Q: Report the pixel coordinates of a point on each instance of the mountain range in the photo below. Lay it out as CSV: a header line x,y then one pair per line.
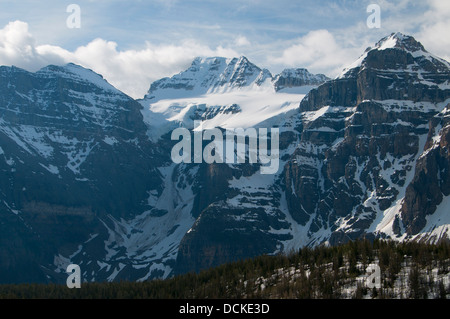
x,y
86,175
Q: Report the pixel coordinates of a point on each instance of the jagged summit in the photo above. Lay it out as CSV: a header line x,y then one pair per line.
x,y
394,52
208,75
298,77
400,41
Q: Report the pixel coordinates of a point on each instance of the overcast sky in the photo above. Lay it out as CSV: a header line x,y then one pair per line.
x,y
134,42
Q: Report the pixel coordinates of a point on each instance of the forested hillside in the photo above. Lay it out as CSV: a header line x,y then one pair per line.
x,y
408,270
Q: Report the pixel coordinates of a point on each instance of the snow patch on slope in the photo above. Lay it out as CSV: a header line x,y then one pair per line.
x,y
151,239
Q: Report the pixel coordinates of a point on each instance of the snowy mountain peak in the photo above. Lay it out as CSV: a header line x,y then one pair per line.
x,y
400,41
241,72
78,73
221,75
223,93
396,52
294,78
209,75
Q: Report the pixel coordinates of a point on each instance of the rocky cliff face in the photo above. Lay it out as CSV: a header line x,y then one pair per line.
x,y
74,150
370,169
431,182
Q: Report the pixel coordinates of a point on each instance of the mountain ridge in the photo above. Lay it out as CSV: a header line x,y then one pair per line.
x,y
220,74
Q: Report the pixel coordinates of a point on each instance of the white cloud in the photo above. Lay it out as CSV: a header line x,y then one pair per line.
x,y
435,28
319,52
242,41
396,6
17,46
131,71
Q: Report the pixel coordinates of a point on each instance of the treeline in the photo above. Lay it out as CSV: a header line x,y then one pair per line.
x,y
408,270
